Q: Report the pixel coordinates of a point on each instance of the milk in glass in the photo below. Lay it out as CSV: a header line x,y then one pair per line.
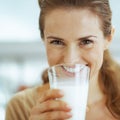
x,y
74,82
76,97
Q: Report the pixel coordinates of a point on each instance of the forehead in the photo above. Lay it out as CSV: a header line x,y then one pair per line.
x,y
72,19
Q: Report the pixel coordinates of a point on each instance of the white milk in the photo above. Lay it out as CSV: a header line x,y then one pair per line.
x,y
75,89
76,97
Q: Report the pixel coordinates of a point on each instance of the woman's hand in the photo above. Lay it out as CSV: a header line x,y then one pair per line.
x,y
47,108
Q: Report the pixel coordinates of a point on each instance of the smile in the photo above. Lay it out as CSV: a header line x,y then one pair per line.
x,y
68,69
72,69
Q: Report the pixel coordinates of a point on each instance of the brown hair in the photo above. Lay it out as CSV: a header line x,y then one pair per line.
x,y
109,72
45,76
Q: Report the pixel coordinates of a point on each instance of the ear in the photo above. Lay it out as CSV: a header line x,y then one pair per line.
x,y
109,38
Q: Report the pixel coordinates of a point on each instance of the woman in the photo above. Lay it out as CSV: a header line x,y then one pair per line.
x,y
74,31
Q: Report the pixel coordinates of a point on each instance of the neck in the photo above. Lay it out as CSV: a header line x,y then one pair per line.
x,y
95,94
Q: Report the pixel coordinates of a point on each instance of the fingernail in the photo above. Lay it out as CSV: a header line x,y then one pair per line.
x,y
69,107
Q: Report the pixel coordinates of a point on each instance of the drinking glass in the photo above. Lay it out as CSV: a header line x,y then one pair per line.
x,y
73,80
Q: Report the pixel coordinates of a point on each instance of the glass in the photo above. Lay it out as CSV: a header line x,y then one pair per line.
x,y
73,80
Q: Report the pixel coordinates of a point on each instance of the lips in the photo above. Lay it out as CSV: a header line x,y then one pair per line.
x,y
68,69
73,69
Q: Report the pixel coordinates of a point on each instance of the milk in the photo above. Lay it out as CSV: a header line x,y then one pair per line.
x,y
74,82
76,97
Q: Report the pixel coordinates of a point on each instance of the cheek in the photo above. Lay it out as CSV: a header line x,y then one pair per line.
x,y
96,60
53,57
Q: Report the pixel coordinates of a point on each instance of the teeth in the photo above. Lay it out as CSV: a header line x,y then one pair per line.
x,y
72,70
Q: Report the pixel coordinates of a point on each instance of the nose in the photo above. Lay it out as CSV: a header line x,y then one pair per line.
x,y
73,55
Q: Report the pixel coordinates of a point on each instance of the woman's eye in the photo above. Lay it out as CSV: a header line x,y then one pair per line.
x,y
87,43
56,42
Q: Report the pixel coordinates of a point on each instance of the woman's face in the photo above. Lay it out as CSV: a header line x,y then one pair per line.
x,y
74,36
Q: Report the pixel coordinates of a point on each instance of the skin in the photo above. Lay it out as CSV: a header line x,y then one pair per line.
x,y
73,36
85,44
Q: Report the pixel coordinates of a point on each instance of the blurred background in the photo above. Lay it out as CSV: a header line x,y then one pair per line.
x,y
22,53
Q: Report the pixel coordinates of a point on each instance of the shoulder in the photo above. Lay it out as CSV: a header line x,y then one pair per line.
x,y
21,103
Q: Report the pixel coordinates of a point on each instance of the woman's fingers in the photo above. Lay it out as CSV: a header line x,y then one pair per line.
x,y
48,108
51,105
50,94
53,115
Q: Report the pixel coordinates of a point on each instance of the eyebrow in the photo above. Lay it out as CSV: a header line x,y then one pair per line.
x,y
53,37
85,37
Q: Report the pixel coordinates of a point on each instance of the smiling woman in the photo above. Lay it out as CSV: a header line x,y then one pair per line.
x,y
74,31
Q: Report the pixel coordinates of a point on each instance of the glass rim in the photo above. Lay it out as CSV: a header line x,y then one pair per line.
x,y
68,64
